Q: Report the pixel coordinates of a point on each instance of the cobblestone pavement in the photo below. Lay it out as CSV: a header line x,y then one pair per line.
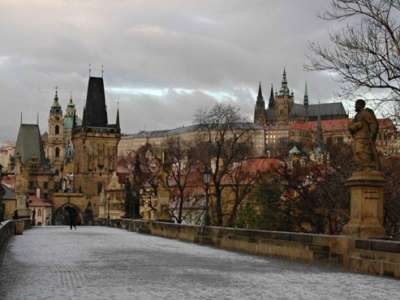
x,y
107,263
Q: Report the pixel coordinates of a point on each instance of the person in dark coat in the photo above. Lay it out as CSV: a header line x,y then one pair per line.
x,y
72,215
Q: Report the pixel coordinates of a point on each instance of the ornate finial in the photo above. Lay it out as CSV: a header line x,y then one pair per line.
x,y
102,71
56,94
90,69
21,118
37,119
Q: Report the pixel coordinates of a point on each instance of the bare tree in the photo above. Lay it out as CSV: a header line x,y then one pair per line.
x,y
223,140
145,177
365,54
242,179
179,166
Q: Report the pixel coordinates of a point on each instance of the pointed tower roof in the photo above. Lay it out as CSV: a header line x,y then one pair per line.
x,y
259,110
95,113
284,87
29,144
260,95
271,102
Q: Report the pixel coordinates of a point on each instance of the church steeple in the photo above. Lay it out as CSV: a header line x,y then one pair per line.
x,y
259,111
271,102
284,87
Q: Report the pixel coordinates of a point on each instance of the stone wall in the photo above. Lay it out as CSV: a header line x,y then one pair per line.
x,y
378,257
8,229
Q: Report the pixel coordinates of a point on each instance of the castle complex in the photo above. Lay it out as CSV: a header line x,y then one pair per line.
x,y
286,122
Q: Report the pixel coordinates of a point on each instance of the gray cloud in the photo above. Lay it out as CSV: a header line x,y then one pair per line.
x,y
212,48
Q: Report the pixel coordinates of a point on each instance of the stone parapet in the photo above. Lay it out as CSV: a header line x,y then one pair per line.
x,y
378,257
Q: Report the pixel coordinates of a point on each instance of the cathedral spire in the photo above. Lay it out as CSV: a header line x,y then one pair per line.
x,y
284,87
259,111
271,102
260,95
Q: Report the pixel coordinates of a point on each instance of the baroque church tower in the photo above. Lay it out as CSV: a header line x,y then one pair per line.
x,y
95,144
55,146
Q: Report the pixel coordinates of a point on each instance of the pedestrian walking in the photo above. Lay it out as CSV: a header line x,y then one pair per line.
x,y
72,215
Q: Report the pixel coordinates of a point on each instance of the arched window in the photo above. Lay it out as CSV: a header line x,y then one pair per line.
x,y
57,152
57,130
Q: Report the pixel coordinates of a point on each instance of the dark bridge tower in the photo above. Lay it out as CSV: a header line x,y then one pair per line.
x,y
95,145
259,111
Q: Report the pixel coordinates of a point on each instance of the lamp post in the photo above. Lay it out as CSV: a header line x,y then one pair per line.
x,y
206,181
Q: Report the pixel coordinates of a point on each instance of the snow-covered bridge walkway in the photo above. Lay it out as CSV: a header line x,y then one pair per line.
x,y
107,263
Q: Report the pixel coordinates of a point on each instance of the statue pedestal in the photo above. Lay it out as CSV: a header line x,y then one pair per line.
x,y
366,216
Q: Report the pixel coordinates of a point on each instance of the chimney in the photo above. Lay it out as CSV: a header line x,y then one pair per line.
x,y
38,193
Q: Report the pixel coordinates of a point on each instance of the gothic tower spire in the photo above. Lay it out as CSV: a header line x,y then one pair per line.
x,y
271,102
259,111
284,87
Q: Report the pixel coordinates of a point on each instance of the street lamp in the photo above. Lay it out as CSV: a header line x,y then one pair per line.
x,y
206,181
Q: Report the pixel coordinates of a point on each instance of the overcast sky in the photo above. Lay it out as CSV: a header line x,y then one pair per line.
x,y
162,59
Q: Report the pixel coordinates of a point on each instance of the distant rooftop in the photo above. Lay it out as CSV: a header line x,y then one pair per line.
x,y
184,129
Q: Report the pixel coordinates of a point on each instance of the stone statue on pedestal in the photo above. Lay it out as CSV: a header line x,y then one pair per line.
x,y
364,130
367,182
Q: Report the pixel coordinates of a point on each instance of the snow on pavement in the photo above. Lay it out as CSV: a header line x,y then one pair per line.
x,y
108,263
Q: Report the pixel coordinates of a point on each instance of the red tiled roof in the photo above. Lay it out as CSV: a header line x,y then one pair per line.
x,y
38,202
333,125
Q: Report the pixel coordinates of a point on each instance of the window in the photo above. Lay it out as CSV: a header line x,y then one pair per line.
x,y
57,130
45,185
57,152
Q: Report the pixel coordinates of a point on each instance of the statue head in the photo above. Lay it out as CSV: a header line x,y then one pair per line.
x,y
360,104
